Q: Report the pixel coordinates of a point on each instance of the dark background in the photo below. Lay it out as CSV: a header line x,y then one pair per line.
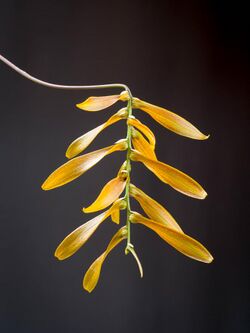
x,y
189,56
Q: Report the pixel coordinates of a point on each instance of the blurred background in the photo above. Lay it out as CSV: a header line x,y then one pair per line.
x,y
191,57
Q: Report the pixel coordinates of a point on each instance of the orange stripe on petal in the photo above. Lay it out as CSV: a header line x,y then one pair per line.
x,y
78,165
92,275
153,209
171,176
81,143
170,120
181,242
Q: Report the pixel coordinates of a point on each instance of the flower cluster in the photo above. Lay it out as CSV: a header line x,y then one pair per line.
x,y
140,146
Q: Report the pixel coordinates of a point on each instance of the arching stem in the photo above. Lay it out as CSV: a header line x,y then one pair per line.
x,y
88,87
60,86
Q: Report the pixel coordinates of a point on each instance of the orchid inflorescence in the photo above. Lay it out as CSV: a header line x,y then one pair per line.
x,y
140,146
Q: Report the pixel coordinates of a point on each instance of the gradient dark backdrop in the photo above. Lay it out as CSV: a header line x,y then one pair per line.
x,y
189,56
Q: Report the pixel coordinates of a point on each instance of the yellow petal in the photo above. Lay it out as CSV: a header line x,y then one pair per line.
x,y
143,128
170,120
142,144
79,236
81,143
119,204
153,209
78,165
171,176
92,275
101,102
110,192
181,242
115,216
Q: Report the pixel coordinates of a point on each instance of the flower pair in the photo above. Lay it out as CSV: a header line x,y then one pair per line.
x,y
140,145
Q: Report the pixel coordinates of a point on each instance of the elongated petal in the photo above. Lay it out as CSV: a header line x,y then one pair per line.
x,y
171,176
101,102
110,192
78,165
153,209
142,145
93,273
170,120
181,242
81,143
144,129
79,236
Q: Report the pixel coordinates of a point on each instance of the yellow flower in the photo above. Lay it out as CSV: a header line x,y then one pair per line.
x,y
170,120
101,102
93,273
81,143
78,165
79,236
181,242
171,176
110,192
142,145
144,129
153,209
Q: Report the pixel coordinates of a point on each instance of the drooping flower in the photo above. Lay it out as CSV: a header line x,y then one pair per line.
x,y
181,242
78,165
171,176
142,145
144,129
101,102
81,143
153,209
110,192
77,238
93,273
170,120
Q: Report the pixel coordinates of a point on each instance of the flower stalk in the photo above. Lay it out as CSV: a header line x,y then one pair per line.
x,y
128,168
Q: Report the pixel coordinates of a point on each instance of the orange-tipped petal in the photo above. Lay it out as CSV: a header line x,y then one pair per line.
x,y
142,145
93,273
79,236
97,103
110,192
143,128
170,120
171,176
153,209
181,242
81,143
78,165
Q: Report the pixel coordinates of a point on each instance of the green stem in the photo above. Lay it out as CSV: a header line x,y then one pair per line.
x,y
128,168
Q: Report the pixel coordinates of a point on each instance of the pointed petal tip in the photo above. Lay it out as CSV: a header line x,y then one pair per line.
x,y
44,187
